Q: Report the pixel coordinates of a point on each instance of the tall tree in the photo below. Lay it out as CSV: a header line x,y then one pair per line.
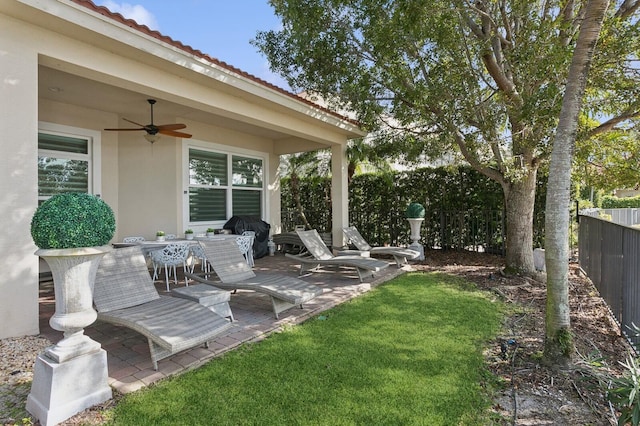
x,y
558,347
483,78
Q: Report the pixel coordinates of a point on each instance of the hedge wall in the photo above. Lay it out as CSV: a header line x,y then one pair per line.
x,y
464,208
611,202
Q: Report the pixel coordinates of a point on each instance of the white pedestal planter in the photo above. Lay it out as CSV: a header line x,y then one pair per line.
x,y
415,225
71,375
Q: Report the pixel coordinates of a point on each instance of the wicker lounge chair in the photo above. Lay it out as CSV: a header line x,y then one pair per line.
x,y
318,254
125,295
400,254
233,272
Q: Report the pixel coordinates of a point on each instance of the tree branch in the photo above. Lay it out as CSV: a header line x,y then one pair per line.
x,y
612,122
474,162
627,8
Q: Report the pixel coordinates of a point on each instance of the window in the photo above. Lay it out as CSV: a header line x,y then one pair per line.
x,y
223,185
64,160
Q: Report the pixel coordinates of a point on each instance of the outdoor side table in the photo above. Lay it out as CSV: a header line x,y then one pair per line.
x,y
212,297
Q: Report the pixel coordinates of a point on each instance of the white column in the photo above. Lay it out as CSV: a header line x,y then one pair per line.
x,y
339,193
274,204
18,184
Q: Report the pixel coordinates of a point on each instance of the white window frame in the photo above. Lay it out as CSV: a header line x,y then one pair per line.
x,y
93,156
229,152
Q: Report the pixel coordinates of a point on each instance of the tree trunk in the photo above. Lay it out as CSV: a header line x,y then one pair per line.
x,y
519,203
295,192
558,344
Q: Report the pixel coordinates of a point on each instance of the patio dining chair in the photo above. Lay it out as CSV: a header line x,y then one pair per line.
x,y
132,239
198,254
170,256
246,246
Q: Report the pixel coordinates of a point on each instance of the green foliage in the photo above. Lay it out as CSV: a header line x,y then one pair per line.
x,y
160,234
415,211
188,231
409,352
462,207
72,220
609,161
624,393
483,80
611,202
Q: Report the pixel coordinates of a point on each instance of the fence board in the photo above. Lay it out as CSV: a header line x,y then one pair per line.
x,y
609,254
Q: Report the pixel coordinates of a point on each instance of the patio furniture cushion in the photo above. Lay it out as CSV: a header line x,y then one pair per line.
x,y
233,272
319,255
400,254
124,295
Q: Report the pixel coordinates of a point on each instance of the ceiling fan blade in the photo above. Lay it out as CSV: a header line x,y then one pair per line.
x,y
176,126
174,133
133,122
126,130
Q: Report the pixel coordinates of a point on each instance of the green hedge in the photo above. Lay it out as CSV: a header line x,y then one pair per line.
x,y
611,202
463,207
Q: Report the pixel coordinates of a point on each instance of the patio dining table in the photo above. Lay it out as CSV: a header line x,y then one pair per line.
x,y
151,245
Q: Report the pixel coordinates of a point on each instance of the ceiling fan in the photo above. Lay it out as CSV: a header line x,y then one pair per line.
x,y
154,129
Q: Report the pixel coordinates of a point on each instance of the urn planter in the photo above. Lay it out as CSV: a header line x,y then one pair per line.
x,y
72,230
415,225
71,375
74,273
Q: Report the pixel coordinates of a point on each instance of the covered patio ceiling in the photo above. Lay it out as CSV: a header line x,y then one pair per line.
x,y
60,86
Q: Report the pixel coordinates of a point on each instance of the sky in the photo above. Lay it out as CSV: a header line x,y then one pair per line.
x,y
222,29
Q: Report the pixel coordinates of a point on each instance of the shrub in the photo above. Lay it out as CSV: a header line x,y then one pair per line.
x,y
610,202
415,211
72,220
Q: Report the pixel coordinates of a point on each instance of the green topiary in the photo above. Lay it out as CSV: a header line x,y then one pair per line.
x,y
72,220
415,211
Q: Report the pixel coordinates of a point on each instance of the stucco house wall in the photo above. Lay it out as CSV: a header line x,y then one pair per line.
x,y
70,66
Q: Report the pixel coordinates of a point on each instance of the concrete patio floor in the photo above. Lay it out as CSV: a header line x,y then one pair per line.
x,y
128,358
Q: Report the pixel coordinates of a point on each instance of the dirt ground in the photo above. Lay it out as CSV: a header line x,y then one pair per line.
x,y
534,394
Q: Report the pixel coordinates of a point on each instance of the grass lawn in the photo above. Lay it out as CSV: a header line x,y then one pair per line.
x,y
408,352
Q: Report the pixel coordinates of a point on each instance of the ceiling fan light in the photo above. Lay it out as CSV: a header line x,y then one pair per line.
x,y
151,138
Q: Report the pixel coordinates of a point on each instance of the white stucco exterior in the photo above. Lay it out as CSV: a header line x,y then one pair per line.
x,y
69,66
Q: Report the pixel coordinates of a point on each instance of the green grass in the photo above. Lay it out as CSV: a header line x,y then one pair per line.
x,y
408,352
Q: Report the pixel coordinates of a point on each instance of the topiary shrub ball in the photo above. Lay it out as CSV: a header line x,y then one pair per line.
x,y
415,211
72,220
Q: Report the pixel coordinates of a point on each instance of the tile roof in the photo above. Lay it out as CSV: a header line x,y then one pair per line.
x,y
104,11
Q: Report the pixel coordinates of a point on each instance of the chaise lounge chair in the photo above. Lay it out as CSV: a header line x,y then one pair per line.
x,y
124,294
318,254
231,268
400,254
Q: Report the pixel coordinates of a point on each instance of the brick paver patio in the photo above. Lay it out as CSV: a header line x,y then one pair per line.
x,y
128,358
